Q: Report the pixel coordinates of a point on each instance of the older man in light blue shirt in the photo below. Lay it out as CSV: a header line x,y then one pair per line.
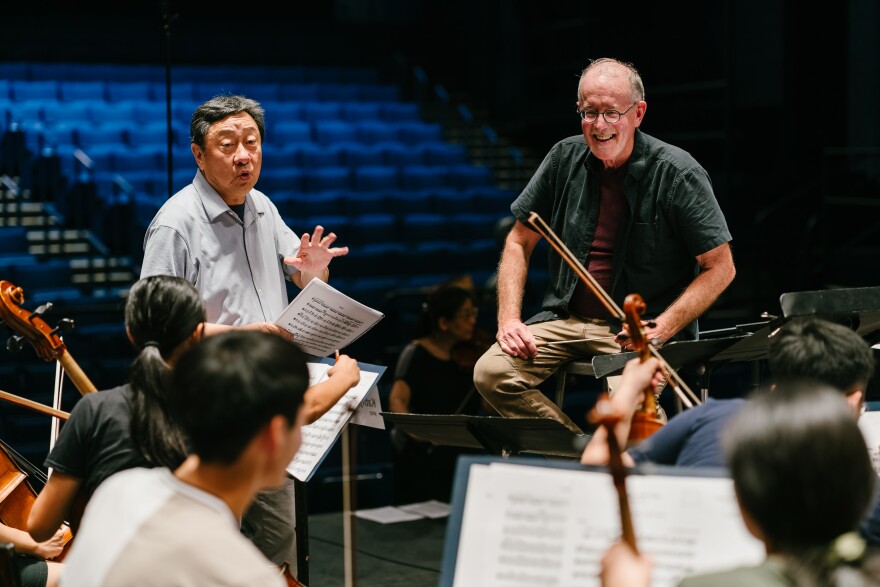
x,y
228,240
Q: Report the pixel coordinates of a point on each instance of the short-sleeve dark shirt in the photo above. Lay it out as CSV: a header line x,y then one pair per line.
x,y
671,216
436,386
95,442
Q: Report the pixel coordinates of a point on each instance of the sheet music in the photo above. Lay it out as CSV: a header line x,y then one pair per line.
x,y
319,436
525,525
323,319
869,423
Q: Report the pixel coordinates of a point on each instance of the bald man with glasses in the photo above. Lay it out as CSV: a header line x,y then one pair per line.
x,y
641,216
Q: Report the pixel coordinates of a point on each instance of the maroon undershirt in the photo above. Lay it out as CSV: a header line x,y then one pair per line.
x,y
598,263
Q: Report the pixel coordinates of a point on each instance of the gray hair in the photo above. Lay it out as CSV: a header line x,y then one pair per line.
x,y
218,108
637,88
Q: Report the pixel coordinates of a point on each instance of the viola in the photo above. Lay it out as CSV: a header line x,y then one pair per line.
x,y
604,415
289,578
644,422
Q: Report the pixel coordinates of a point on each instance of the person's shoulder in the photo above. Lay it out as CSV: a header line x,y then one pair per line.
x,y
654,148
93,400
178,206
111,396
766,574
133,477
573,145
726,405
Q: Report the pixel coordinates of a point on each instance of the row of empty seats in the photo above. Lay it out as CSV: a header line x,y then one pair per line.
x,y
120,92
79,72
98,111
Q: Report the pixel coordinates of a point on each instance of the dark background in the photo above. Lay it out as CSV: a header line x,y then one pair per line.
x,y
778,102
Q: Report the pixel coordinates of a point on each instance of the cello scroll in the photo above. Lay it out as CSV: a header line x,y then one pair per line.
x,y
45,340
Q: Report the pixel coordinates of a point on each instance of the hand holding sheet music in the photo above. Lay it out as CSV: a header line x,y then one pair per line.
x,y
323,319
319,436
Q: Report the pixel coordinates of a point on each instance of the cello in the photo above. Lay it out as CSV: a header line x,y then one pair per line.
x,y
645,421
17,492
46,340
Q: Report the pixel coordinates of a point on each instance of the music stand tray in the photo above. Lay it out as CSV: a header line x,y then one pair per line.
x,y
860,306
497,435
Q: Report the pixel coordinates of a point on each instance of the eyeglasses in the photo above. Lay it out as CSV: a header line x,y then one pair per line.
x,y
610,116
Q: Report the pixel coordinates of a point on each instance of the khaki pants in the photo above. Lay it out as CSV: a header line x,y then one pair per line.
x,y
510,384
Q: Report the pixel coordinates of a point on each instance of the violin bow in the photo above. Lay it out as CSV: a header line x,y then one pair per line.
x,y
677,383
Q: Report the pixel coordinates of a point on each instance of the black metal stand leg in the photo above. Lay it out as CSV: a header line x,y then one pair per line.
x,y
302,531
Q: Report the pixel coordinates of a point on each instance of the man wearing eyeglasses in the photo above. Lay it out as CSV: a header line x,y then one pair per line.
x,y
641,216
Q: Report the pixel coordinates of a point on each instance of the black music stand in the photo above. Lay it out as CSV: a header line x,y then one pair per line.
x,y
749,343
497,435
859,307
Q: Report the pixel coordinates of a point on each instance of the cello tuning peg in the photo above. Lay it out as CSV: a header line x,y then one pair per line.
x,y
13,343
43,309
768,316
64,325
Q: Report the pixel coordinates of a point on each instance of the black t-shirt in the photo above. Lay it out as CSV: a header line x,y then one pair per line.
x,y
436,386
96,442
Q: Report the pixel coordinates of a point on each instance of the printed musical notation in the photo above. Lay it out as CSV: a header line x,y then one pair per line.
x,y
353,407
322,319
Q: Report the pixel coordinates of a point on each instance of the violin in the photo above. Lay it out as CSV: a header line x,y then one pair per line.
x,y
466,353
644,422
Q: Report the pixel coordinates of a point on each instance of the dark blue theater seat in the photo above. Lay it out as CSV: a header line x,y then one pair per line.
x,y
298,204
372,132
33,90
326,178
411,202
373,228
299,92
329,132
355,203
359,155
320,111
290,132
118,91
423,177
416,228
396,111
82,90
78,112
354,111
370,178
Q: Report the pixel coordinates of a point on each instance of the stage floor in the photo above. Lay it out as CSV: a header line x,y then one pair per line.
x,y
404,554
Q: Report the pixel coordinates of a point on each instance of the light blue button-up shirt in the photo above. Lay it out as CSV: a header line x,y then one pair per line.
x,y
236,266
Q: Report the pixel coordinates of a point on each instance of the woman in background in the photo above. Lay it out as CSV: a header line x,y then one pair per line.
x,y
435,375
